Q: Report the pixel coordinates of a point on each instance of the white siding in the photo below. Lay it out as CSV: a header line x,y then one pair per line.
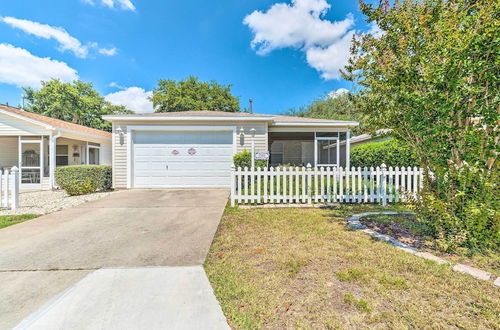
x,y
243,141
8,151
13,126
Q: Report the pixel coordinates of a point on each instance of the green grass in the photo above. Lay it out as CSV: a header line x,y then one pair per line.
x,y
304,268
9,220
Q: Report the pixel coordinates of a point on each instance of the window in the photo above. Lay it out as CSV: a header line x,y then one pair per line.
x,y
327,151
276,153
93,155
61,155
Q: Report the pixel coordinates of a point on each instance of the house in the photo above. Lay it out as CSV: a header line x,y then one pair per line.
x,y
33,143
195,148
380,135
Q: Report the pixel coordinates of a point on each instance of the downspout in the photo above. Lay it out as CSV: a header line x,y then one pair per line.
x,y
52,158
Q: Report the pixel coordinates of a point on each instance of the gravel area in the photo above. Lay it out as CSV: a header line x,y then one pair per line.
x,y
43,202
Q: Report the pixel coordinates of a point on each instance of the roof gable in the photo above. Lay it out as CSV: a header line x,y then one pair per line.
x,y
54,123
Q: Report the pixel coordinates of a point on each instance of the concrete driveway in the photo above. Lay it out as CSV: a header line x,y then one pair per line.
x,y
135,228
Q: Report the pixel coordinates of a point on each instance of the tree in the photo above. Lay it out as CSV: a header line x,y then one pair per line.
x,y
77,102
432,77
193,95
341,107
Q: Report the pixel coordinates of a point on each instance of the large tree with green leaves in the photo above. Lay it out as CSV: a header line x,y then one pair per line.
x,y
341,107
193,95
432,76
77,102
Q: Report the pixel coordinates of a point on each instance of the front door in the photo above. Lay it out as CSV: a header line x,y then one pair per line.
x,y
30,164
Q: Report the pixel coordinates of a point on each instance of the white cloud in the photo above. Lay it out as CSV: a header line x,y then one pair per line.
x,y
329,60
338,92
375,30
107,51
134,98
65,40
21,68
123,4
302,25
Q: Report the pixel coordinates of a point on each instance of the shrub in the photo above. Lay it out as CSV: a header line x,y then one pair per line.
x,y
84,179
390,152
244,159
461,209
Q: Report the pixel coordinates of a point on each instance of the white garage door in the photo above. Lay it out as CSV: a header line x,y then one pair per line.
x,y
182,159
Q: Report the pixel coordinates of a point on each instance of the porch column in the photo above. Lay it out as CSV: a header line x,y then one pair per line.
x,y
87,153
52,160
315,150
348,149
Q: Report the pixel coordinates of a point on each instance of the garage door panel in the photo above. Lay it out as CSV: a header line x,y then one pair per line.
x,y
174,167
184,151
182,138
198,159
209,165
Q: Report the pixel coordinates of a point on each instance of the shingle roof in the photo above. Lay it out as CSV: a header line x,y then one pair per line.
x,y
56,123
206,113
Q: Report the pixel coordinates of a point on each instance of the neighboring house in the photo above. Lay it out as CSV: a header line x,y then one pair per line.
x,y
33,143
380,135
195,148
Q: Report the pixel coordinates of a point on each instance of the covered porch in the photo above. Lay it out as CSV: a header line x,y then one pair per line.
x,y
34,156
318,147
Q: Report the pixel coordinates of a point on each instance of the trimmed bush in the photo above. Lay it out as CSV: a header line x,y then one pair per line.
x,y
390,152
84,179
244,159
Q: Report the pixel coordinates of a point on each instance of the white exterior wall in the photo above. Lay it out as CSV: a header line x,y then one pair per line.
x,y
8,151
243,141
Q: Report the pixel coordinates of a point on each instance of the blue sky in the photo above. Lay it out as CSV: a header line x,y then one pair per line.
x,y
282,54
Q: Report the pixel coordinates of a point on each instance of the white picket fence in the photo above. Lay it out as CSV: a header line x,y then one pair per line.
x,y
9,188
308,185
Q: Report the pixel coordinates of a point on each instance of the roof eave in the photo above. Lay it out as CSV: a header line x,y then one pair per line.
x,y
324,124
184,118
95,136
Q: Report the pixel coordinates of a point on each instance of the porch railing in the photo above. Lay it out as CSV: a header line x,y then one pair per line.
x,y
9,188
307,185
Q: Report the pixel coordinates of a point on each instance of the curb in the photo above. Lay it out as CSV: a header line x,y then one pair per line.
x,y
353,222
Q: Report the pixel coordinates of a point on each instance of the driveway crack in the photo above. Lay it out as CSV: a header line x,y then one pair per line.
x,y
46,270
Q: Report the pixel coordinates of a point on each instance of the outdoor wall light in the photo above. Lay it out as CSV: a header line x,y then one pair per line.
x,y
120,133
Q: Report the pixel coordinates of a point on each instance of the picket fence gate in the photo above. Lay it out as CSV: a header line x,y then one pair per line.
x,y
9,188
307,185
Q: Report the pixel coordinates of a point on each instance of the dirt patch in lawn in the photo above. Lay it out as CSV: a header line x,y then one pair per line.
x,y
304,268
402,227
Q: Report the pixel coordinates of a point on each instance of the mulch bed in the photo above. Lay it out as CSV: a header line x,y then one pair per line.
x,y
396,230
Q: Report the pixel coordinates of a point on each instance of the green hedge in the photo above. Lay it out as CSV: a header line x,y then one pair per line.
x,y
244,159
84,179
390,152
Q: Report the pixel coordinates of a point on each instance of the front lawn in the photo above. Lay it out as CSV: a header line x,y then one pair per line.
x,y
303,268
8,220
